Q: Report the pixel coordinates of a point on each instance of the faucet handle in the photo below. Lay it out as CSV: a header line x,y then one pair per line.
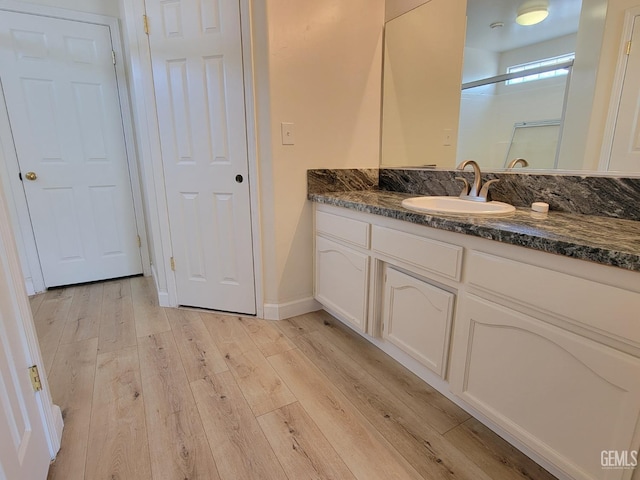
x,y
465,189
485,188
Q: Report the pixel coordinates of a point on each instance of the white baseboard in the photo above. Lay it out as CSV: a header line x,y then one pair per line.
x,y
28,283
163,297
281,311
57,413
54,424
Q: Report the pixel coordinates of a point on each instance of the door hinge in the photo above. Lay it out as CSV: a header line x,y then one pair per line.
x,y
35,378
628,50
113,56
173,264
145,22
139,241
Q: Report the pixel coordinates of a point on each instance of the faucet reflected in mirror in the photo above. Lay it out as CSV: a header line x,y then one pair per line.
x,y
573,124
517,161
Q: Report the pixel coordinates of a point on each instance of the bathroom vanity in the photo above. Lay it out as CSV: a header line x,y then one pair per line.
x,y
528,322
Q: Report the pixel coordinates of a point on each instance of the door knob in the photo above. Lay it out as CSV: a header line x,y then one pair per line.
x,y
30,176
239,178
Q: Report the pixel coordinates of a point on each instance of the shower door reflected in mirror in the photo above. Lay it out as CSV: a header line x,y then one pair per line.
x,y
536,142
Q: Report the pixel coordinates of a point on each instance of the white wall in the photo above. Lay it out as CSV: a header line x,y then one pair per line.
x,y
317,65
479,63
395,8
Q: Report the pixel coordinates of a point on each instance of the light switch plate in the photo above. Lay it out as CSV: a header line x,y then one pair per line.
x,y
447,137
288,133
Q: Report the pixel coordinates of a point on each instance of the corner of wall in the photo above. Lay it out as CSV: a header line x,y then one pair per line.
x,y
262,112
286,310
323,73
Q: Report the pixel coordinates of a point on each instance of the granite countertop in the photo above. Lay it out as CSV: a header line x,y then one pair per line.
x,y
609,241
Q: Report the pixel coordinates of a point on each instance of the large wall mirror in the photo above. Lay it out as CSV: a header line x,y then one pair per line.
x,y
463,80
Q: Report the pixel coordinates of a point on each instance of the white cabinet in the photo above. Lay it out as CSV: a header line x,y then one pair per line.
x,y
417,318
565,396
545,350
342,281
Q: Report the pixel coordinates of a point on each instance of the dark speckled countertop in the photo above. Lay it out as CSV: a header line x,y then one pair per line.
x,y
609,241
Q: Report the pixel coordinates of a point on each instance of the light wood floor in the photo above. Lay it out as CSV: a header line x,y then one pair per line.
x,y
149,392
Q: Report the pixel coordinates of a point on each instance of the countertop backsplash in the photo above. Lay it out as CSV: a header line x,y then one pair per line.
x,y
341,180
616,197
604,196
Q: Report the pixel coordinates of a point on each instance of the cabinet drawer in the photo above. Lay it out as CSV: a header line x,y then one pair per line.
x,y
342,281
608,309
417,318
347,229
431,255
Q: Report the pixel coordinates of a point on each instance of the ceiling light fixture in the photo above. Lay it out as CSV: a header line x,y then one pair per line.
x,y
532,12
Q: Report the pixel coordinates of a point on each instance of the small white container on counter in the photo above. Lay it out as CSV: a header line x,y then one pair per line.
x,y
540,207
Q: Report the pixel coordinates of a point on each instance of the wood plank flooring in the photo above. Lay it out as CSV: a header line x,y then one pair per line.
x,y
154,393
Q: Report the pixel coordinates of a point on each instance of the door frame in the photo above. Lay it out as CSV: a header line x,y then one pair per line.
x,y
9,165
616,89
145,114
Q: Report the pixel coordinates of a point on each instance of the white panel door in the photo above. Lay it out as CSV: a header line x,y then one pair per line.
x,y
196,54
24,453
625,151
59,84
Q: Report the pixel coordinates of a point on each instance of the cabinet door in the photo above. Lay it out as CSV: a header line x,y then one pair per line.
x,y
567,397
342,281
417,318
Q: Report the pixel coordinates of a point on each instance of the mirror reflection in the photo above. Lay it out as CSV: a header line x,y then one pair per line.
x,y
514,82
544,92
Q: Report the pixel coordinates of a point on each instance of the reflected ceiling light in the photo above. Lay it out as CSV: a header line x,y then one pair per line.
x,y
532,12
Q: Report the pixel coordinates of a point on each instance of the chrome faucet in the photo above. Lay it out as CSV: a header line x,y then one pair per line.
x,y
476,192
517,161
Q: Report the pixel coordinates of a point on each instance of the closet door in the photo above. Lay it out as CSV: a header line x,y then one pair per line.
x,y
196,54
61,92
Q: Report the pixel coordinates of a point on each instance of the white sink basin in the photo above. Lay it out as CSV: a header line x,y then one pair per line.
x,y
456,205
